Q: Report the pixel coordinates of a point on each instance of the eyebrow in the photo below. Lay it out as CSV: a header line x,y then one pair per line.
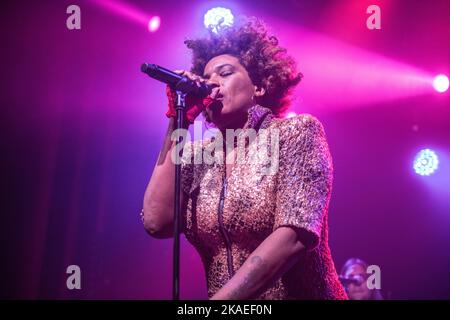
x,y
216,69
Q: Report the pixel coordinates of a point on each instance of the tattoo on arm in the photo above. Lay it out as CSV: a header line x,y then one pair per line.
x,y
258,267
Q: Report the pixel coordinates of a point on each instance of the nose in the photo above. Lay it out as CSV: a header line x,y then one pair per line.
x,y
212,83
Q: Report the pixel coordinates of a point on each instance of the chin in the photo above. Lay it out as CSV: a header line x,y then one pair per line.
x,y
219,113
222,115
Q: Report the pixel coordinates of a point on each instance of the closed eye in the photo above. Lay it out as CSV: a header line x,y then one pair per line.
x,y
226,73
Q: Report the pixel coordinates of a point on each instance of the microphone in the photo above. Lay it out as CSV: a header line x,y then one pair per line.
x,y
181,83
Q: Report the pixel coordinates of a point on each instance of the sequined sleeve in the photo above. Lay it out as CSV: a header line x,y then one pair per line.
x,y
304,178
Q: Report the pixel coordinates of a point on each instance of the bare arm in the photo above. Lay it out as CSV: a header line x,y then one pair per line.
x,y
268,262
159,195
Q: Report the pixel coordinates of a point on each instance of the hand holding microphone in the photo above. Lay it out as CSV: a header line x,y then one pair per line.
x,y
199,94
195,103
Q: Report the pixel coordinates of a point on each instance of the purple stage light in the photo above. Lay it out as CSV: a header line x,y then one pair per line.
x,y
291,114
154,23
426,162
441,83
217,17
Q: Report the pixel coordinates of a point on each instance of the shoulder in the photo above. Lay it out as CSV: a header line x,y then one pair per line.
x,y
302,134
302,125
302,142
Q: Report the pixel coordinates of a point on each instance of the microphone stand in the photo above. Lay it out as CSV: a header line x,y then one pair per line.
x,y
181,112
182,86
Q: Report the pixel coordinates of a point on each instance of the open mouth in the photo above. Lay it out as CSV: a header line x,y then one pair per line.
x,y
217,98
217,103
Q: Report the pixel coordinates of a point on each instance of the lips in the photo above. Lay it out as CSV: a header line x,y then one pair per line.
x,y
216,98
215,94
216,104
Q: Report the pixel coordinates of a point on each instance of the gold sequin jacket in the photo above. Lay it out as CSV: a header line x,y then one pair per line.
x,y
227,218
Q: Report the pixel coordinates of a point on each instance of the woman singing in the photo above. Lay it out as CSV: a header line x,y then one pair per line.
x,y
260,235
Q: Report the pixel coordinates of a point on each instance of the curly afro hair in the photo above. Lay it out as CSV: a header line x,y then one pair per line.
x,y
266,62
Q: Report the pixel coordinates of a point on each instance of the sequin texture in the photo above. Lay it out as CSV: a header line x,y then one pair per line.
x,y
255,204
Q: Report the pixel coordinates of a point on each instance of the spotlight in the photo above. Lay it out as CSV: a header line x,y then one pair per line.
x,y
154,23
440,83
290,114
218,17
426,162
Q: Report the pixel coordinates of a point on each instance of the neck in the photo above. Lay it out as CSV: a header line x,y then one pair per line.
x,y
233,125
238,122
